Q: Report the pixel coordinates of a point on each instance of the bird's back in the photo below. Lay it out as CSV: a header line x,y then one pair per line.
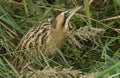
x,y
43,38
36,36
32,42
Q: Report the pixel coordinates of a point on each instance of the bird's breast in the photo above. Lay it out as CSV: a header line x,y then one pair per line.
x,y
56,40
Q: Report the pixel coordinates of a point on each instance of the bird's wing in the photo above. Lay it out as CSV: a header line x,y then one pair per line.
x,y
36,36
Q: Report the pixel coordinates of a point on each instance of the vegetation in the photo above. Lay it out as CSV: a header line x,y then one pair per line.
x,y
100,53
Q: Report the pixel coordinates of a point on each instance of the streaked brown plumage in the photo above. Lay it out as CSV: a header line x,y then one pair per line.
x,y
46,37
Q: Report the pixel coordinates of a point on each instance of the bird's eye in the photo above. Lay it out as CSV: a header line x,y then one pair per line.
x,y
66,15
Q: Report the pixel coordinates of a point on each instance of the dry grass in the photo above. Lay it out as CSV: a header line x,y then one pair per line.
x,y
83,34
58,72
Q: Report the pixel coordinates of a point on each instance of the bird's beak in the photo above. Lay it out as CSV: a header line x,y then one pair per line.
x,y
70,13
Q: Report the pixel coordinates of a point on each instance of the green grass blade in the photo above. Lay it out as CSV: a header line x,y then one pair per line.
x,y
101,74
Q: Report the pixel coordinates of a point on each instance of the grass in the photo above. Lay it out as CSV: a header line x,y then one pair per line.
x,y
99,54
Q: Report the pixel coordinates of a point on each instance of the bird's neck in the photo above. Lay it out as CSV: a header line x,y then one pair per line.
x,y
59,27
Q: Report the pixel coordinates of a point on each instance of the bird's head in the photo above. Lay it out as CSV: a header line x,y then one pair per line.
x,y
62,20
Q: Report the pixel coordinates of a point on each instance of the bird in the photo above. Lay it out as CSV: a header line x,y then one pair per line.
x,y
46,38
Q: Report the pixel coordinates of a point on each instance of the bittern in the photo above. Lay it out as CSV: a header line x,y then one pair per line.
x,y
49,35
